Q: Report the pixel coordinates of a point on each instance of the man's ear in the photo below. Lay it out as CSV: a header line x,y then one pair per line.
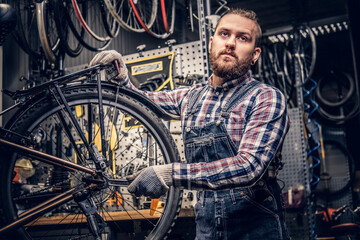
x,y
210,41
256,54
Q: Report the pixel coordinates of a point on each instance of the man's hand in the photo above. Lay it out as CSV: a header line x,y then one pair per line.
x,y
106,57
152,181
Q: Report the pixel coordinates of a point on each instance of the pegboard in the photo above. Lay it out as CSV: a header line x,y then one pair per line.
x,y
296,172
188,58
295,169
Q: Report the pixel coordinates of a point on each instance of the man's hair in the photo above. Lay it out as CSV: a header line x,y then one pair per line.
x,y
247,14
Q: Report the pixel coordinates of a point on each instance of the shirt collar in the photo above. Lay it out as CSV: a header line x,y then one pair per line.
x,y
232,83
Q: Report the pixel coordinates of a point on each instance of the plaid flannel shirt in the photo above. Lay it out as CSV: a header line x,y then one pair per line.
x,y
257,126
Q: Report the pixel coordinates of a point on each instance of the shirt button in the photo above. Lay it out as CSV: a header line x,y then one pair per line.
x,y
217,93
270,198
188,129
208,115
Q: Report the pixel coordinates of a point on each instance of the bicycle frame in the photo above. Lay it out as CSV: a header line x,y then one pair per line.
x,y
98,179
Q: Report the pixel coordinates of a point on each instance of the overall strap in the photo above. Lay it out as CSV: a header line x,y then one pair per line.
x,y
194,98
239,96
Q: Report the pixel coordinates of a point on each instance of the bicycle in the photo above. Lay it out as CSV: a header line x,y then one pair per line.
x,y
65,154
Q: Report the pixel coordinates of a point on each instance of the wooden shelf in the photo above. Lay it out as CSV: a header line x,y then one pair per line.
x,y
107,216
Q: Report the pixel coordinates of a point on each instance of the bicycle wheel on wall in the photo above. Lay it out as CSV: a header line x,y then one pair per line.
x,y
306,53
84,16
68,41
48,35
163,26
26,33
134,138
124,14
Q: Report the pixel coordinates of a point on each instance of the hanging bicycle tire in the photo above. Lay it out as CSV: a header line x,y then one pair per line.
x,y
48,35
92,25
68,41
123,13
25,32
161,28
306,53
335,93
134,138
78,16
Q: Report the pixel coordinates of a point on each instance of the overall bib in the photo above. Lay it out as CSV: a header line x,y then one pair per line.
x,y
254,213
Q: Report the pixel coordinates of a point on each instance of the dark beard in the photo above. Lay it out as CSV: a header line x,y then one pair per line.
x,y
227,71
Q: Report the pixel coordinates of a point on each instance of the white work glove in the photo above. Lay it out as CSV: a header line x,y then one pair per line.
x,y
106,57
152,181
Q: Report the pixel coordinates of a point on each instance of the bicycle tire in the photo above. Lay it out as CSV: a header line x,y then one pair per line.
x,y
69,43
26,28
158,30
89,28
168,14
46,29
41,113
306,53
337,116
123,13
340,86
111,26
79,34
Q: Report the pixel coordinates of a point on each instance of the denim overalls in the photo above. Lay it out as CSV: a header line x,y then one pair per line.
x,y
254,213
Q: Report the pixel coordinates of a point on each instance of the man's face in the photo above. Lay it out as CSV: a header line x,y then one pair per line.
x,y
232,48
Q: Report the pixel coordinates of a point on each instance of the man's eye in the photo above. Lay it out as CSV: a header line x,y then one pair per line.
x,y
223,34
242,38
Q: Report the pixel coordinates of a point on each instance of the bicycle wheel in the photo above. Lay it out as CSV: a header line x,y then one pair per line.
x,y
335,88
67,39
92,23
160,29
77,17
306,53
124,14
48,35
26,27
134,138
111,26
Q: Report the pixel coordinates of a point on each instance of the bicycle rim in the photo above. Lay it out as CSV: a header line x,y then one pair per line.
x,y
93,22
26,28
124,14
67,39
112,28
160,29
135,138
47,31
307,53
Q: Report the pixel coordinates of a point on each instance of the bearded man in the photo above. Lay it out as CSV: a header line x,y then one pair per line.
x,y
233,127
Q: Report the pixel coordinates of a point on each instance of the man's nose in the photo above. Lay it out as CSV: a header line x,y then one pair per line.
x,y
231,43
